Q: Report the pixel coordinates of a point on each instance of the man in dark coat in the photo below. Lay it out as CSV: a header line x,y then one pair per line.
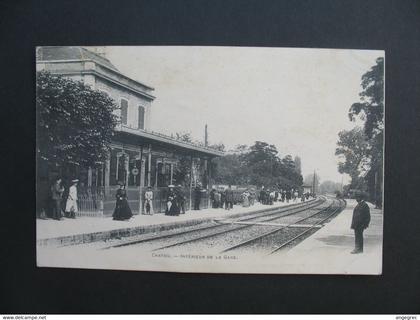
x,y
262,195
229,198
360,221
197,197
56,195
222,198
181,199
288,195
213,198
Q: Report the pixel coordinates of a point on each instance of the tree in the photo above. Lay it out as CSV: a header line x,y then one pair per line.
x,y
330,187
352,151
371,105
218,146
182,170
258,165
309,180
298,164
75,123
183,136
289,163
370,109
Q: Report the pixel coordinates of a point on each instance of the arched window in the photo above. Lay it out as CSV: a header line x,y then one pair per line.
x,y
124,111
141,117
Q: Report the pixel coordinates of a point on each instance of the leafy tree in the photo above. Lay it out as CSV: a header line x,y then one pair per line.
x,y
352,150
261,151
218,146
330,187
298,164
229,169
371,105
182,170
75,123
258,165
370,109
241,148
309,180
184,136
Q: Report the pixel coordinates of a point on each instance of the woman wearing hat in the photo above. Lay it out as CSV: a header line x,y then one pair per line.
x,y
71,204
122,210
172,208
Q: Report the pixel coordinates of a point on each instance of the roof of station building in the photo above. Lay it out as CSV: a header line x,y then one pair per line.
x,y
157,137
65,54
72,53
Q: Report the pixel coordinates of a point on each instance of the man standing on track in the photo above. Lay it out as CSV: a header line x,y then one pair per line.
x,y
360,221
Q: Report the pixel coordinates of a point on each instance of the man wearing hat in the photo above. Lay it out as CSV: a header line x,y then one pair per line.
x,y
71,204
197,197
360,221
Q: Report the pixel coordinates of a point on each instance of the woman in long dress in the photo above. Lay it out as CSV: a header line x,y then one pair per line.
x,y
245,199
172,208
122,209
71,204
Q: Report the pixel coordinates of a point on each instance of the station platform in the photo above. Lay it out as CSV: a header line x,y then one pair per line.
x,y
328,250
89,229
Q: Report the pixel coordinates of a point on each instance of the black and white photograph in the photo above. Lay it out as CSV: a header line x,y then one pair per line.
x,y
210,159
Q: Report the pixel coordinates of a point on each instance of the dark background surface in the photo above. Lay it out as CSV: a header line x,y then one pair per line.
x,y
389,25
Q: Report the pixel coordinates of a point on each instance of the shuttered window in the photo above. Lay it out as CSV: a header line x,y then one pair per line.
x,y
124,111
141,117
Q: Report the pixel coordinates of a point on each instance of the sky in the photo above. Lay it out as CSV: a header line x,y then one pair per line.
x,y
297,99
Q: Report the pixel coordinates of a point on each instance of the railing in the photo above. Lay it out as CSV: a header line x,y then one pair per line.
x,y
100,201
90,201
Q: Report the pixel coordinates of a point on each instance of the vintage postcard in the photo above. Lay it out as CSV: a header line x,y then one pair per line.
x,y
210,159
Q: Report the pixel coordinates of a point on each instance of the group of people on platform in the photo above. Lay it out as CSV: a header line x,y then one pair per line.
x,y
248,198
61,202
175,199
222,198
268,196
175,202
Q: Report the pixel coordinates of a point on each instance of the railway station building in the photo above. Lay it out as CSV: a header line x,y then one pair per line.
x,y
139,156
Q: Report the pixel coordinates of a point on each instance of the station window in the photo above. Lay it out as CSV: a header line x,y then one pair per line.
x,y
124,111
141,117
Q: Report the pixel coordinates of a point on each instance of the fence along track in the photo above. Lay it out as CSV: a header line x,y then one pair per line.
x,y
279,210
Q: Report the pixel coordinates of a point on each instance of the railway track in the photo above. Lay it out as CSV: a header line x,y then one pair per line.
x,y
265,239
222,226
242,225
287,235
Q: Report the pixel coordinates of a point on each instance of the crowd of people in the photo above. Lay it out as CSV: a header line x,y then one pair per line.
x,y
226,198
269,196
64,201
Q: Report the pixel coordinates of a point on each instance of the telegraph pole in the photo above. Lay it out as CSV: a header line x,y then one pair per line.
x,y
313,182
206,137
